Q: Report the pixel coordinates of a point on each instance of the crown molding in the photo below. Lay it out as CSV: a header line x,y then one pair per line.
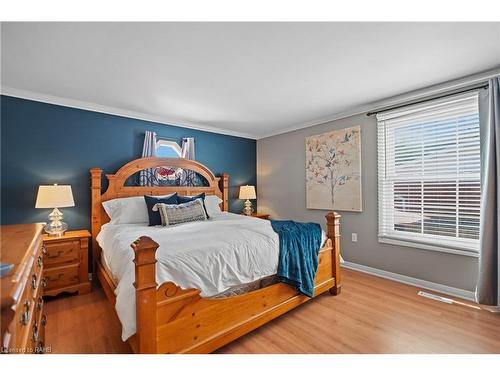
x,y
162,120
357,110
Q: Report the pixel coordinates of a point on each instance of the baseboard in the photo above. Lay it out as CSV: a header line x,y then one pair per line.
x,y
455,292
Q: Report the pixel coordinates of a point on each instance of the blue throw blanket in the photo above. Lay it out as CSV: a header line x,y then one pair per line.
x,y
298,258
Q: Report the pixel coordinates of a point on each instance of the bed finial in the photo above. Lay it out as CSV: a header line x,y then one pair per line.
x,y
333,232
96,174
224,187
145,293
332,225
95,192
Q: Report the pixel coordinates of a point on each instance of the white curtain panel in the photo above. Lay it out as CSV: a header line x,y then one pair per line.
x,y
188,148
188,153
488,284
148,150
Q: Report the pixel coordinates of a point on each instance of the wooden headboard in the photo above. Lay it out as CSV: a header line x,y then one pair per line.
x,y
117,187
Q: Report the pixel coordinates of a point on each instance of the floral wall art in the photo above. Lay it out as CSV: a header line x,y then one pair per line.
x,y
333,170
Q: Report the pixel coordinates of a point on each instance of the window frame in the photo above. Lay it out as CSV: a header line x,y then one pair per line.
x,y
168,143
386,235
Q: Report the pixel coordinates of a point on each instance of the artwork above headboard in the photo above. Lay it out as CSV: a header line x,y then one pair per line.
x,y
121,185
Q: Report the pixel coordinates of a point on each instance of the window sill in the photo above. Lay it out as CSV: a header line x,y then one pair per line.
x,y
406,243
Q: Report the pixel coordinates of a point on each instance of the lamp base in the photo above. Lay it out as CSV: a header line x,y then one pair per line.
x,y
248,210
55,227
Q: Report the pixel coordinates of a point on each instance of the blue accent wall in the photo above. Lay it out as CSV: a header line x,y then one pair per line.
x,y
45,144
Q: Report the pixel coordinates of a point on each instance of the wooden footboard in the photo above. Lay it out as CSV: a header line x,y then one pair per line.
x,y
175,320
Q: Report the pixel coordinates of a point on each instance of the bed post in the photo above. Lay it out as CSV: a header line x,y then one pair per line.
x,y
224,187
333,232
95,190
145,293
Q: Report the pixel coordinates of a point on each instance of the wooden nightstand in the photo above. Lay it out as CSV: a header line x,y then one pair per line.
x,y
66,263
260,215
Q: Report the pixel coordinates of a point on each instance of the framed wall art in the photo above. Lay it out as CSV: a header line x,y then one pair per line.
x,y
333,170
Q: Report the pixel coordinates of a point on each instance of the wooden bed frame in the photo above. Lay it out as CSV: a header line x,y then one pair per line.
x,y
175,320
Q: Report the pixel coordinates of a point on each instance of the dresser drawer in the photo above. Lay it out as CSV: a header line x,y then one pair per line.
x,y
23,319
36,275
36,338
66,263
23,289
26,308
61,253
40,347
61,276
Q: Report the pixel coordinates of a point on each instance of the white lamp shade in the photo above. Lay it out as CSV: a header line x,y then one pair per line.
x,y
247,192
54,196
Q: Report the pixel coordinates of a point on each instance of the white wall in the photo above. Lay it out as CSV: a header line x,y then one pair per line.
x,y
281,192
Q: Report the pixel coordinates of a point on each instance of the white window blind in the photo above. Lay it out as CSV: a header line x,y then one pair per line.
x,y
429,173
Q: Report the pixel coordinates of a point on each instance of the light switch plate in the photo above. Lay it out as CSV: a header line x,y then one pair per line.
x,y
354,237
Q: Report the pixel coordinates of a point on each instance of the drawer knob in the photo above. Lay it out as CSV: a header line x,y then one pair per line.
x,y
44,320
39,303
34,279
35,336
40,261
44,282
25,316
44,250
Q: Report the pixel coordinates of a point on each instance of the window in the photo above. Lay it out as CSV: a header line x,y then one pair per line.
x,y
429,174
168,149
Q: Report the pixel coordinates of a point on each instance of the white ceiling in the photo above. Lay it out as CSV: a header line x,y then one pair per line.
x,y
250,79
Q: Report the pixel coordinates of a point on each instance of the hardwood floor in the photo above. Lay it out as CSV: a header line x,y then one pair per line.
x,y
371,315
83,324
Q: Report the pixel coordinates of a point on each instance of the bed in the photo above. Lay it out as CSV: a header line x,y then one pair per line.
x,y
199,312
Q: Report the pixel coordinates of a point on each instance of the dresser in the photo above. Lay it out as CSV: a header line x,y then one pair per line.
x,y
66,263
22,317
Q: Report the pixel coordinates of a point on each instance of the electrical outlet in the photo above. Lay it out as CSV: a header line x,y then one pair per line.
x,y
354,237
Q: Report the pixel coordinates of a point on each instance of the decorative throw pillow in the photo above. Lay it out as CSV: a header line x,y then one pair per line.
x,y
187,198
154,216
172,214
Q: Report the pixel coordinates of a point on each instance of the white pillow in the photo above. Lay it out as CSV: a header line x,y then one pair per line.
x,y
131,210
212,205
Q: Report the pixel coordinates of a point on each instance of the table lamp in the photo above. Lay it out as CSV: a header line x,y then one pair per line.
x,y
247,192
55,196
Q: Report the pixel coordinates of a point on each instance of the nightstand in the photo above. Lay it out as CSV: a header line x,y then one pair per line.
x,y
65,263
259,215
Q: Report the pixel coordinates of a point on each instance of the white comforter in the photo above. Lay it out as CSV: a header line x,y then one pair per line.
x,y
211,256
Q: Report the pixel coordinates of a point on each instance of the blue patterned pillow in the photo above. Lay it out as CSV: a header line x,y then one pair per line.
x,y
172,214
154,216
186,198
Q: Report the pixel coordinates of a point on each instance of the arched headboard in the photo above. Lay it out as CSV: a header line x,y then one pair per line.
x,y
118,188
